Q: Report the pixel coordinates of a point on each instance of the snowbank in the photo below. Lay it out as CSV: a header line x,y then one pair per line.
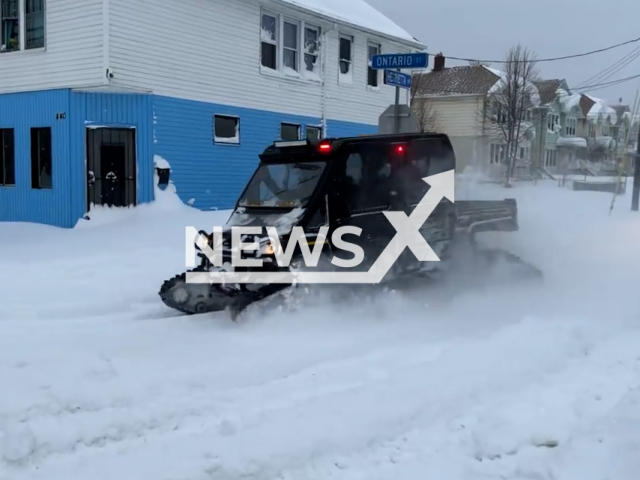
x,y
572,142
165,200
519,382
355,12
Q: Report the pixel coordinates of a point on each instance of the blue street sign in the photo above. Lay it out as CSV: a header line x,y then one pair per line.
x,y
397,79
399,60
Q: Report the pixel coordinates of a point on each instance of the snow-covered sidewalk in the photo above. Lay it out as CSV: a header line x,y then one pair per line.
x,y
99,380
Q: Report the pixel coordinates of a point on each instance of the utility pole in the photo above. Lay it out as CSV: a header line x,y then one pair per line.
x,y
636,177
396,125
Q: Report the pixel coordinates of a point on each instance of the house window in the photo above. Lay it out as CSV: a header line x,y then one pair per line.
x,y
311,39
502,114
314,133
21,19
286,43
289,131
570,129
269,44
373,74
524,153
605,130
226,129
10,11
41,158
550,158
497,153
346,47
34,24
7,158
592,130
290,52
552,121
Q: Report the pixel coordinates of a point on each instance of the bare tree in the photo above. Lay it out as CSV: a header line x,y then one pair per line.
x,y
510,100
422,107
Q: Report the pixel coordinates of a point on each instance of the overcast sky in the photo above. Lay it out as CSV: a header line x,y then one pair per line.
x,y
486,29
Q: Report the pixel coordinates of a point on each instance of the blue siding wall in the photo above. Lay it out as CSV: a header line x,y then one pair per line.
x,y
22,111
206,175
65,202
211,176
111,110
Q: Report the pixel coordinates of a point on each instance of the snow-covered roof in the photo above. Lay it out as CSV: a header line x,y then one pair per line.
x,y
502,79
628,116
600,108
357,13
568,102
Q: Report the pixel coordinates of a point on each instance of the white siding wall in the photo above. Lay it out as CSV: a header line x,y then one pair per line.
x,y
209,50
356,101
459,116
73,56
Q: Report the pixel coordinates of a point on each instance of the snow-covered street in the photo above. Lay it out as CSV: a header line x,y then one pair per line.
x,y
99,380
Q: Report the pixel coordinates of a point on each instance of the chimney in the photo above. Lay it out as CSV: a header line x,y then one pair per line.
x,y
438,62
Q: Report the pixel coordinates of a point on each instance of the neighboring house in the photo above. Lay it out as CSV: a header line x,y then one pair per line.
x,y
596,128
565,118
551,128
92,90
457,98
625,134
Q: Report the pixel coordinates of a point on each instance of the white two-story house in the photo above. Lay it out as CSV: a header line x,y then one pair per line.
x,y
91,91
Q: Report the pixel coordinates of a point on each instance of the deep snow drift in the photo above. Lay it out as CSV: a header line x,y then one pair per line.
x,y
99,380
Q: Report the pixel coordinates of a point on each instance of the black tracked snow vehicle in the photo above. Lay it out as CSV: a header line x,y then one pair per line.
x,y
339,182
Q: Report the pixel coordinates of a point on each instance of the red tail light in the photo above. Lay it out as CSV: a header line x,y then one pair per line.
x,y
325,147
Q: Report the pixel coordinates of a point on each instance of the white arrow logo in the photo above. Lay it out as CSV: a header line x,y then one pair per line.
x,y
407,235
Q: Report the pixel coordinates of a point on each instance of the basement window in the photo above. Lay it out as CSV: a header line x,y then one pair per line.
x,y
41,158
314,133
226,129
289,131
7,158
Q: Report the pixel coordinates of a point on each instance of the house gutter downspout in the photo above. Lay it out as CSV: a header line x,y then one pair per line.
x,y
325,38
106,80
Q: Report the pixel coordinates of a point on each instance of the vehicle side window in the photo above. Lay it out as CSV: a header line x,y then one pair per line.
x,y
409,170
354,169
365,182
443,157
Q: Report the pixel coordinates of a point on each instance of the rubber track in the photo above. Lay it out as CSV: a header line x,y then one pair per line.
x,y
202,298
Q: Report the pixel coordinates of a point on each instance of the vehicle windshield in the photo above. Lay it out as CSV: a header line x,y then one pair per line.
x,y
284,185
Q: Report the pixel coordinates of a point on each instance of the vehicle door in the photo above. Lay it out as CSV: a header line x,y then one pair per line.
x,y
359,195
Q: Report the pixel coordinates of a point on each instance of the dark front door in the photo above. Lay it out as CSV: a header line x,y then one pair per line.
x,y
111,167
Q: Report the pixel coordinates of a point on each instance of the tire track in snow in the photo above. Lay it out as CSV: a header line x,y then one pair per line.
x,y
335,399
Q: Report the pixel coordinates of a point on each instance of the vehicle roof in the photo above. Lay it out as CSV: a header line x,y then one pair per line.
x,y
297,147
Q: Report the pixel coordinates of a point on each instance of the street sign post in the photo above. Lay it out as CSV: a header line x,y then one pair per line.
x,y
399,80
400,60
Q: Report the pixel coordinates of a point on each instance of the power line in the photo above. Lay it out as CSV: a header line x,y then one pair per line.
x,y
553,59
605,84
612,69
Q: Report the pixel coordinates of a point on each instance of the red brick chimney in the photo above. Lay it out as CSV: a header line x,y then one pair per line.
x,y
438,62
